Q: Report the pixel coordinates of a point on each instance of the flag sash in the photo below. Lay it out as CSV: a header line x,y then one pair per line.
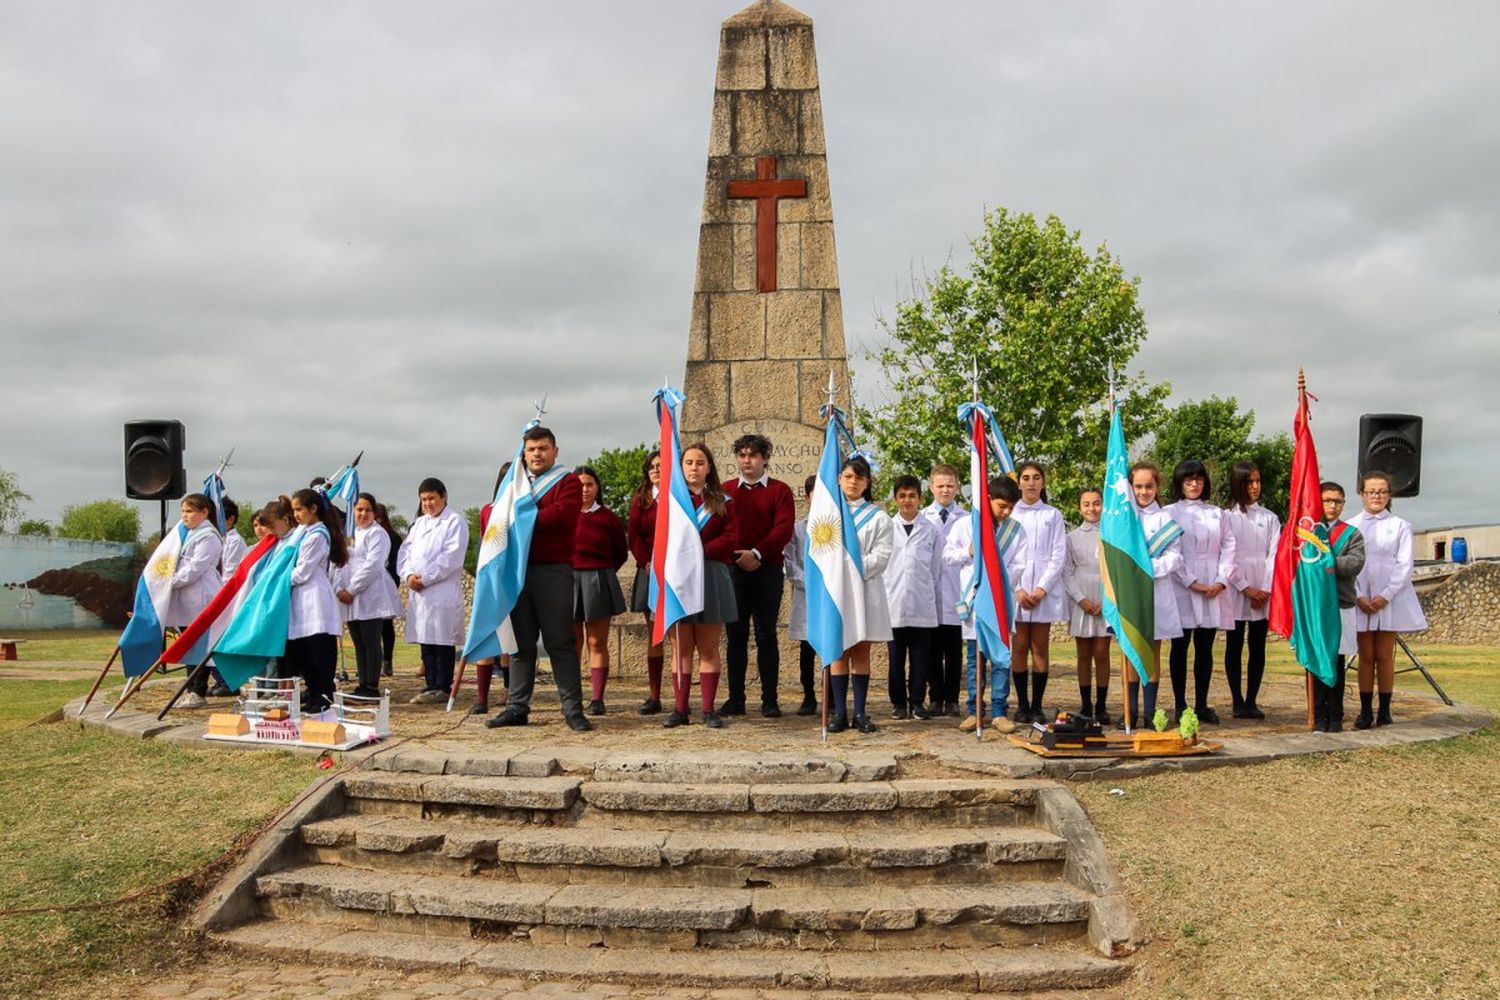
x,y
675,585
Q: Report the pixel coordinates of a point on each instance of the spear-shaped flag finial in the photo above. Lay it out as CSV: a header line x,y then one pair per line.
x,y
541,406
974,379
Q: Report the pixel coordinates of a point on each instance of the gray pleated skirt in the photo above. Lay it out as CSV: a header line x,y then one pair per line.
x,y
719,605
640,591
596,595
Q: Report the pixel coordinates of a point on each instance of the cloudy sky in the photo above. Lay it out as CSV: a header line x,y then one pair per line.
x,y
310,229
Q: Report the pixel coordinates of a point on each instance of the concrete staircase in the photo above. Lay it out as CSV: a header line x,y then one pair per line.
x,y
790,871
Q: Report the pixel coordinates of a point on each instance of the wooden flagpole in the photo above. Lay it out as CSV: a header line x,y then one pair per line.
x,y
1125,688
99,680
458,678
192,676
131,688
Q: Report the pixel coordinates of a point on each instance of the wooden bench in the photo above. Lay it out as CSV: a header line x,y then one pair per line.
x,y
8,648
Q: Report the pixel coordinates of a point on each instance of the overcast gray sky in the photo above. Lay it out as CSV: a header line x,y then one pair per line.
x,y
310,229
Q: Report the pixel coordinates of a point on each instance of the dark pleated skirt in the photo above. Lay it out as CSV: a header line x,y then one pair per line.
x,y
719,605
596,595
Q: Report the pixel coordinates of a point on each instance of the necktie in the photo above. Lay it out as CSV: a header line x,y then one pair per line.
x,y
907,527
943,514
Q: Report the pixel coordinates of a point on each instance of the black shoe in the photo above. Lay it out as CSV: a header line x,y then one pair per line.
x,y
649,707
901,712
712,720
837,724
1336,725
508,717
675,719
578,723
1383,717
732,708
1208,715
952,711
1364,720
480,708
1241,712
809,706
1022,717
366,693
918,712
863,724
596,707
386,671
1254,712
1101,716
770,711
220,691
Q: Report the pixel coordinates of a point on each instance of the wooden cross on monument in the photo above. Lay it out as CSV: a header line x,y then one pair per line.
x,y
766,189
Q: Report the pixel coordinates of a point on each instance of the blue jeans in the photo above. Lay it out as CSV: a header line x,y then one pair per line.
x,y
999,681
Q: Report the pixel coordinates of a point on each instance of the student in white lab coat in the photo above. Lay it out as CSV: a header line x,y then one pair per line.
x,y
234,546
195,577
911,589
1038,590
958,552
313,627
875,540
1164,542
431,565
1385,602
950,652
1083,583
1244,603
1207,562
368,594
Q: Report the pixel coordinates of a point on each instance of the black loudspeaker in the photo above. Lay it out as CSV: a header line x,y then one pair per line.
x,y
153,460
1392,443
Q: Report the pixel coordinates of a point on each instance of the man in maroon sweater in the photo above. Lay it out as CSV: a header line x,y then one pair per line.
x,y
764,512
545,605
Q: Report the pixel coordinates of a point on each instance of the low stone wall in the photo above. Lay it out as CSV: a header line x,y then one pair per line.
x,y
1465,611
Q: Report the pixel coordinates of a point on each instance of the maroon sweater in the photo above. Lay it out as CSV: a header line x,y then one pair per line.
x,y
642,530
720,535
765,516
552,540
600,540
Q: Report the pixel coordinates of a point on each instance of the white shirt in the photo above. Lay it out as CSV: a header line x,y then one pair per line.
x,y
1387,573
958,555
1256,532
364,576
911,577
434,550
315,611
948,583
234,552
1047,551
1207,558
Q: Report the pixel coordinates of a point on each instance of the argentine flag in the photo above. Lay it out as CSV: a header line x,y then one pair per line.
x,y
503,551
213,488
344,491
832,568
991,606
144,636
676,584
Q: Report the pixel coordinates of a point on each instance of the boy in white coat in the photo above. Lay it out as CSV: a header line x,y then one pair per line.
x,y
911,589
431,565
946,667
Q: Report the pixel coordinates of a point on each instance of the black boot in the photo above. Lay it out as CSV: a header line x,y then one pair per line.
x,y
1320,707
1038,688
1366,717
1336,700
1383,715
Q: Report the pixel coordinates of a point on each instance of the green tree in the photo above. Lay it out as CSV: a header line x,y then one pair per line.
x,y
1215,432
619,474
1043,319
11,498
35,528
108,520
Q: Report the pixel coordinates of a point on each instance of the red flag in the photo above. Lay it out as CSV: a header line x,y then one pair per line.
x,y
190,635
1303,514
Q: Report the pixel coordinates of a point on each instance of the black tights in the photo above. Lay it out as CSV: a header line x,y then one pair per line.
x,y
1202,640
1234,644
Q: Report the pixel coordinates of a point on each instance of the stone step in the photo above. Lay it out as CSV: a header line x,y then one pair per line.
x,y
565,800
664,857
903,971
679,766
334,894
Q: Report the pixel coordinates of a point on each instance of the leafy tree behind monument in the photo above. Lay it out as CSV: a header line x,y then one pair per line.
x,y
1043,318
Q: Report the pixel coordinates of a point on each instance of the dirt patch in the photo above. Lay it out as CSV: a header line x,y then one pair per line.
x,y
108,598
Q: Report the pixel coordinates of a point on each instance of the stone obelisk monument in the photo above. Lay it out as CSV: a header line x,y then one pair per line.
x,y
767,321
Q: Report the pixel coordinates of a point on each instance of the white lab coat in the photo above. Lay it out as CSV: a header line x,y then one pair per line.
x,y
234,552
1164,569
364,576
1082,580
1047,550
796,620
958,554
434,550
1387,573
315,611
911,579
1207,557
195,578
875,546
1256,532
948,583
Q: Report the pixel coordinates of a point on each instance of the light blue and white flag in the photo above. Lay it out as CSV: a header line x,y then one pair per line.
x,y
343,491
257,632
832,567
676,582
144,637
503,551
213,488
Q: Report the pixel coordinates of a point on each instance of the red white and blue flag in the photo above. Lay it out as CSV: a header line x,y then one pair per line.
x,y
990,603
676,583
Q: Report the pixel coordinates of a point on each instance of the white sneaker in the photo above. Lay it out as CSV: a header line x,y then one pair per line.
x,y
192,700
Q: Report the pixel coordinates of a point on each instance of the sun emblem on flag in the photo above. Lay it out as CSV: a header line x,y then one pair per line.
x,y
494,533
163,567
825,533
